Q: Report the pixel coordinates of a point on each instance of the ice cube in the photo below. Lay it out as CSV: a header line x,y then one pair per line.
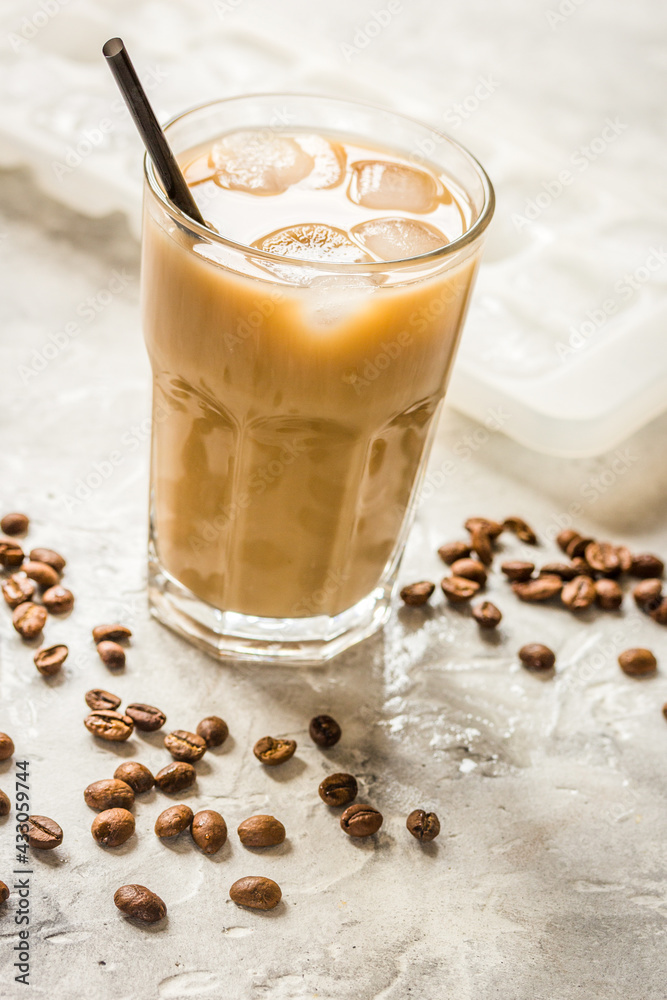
x,y
329,158
397,239
383,184
259,162
313,241
199,170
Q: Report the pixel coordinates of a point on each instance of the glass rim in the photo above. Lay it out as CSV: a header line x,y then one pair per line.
x,y
441,253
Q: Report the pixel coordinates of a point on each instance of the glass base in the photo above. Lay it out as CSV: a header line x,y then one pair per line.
x,y
227,634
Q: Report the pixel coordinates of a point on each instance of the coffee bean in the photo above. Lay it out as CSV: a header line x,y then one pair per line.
x,y
517,571
271,751
5,804
209,831
136,775
457,589
648,594
11,553
659,613
111,633
579,593
664,710
422,825
451,551
17,589
4,892
113,827
29,619
58,600
416,594
256,892
183,745
360,820
324,731
49,557
638,662
338,789
146,717
50,659
109,725
578,546
139,902
109,793
480,543
15,524
603,558
44,575
173,821
647,566
111,654
213,730
261,831
581,568
625,558
43,833
541,589
535,656
100,700
470,569
492,528
608,594
566,571
6,746
487,615
522,530
175,777
565,537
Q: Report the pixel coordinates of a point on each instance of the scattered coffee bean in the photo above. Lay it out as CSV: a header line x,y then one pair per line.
x,y
324,731
416,594
109,725
111,654
5,804
487,615
183,745
492,528
565,537
608,594
480,543
625,558
11,553
338,789
648,594
15,524
175,777
111,633
581,568
50,659
271,751
146,717
173,821
6,746
113,827
49,557
638,662
43,833
541,589
139,902
579,593
29,619
136,775
566,571
58,600
458,590
209,831
535,656
18,589
4,892
517,571
261,831
577,547
44,575
256,892
98,700
659,613
603,558
647,566
360,820
470,569
213,730
522,530
422,825
451,551
109,793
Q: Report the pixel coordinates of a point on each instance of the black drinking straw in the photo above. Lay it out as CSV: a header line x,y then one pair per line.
x,y
155,141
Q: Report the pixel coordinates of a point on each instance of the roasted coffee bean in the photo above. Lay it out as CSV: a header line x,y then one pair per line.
x,y
29,619
49,660
44,575
136,775
492,528
625,558
213,730
49,557
422,825
139,902
18,589
487,615
146,717
522,530
5,804
113,827
608,594
458,590
109,725
43,833
648,594
360,820
11,553
175,777
271,751
15,524
659,613
100,700
566,571
647,566
638,662
578,546
261,831
664,710
257,892
58,600
535,656
416,594
579,593
6,746
581,568
111,654
541,589
209,831
324,731
481,544
451,551
517,571
112,633
338,789
603,558
470,569
109,793
183,745
173,821
565,537
4,892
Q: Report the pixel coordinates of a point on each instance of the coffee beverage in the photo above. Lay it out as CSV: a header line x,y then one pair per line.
x,y
256,892
139,902
261,831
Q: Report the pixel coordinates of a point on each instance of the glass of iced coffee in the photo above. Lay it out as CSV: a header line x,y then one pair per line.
x,y
300,344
